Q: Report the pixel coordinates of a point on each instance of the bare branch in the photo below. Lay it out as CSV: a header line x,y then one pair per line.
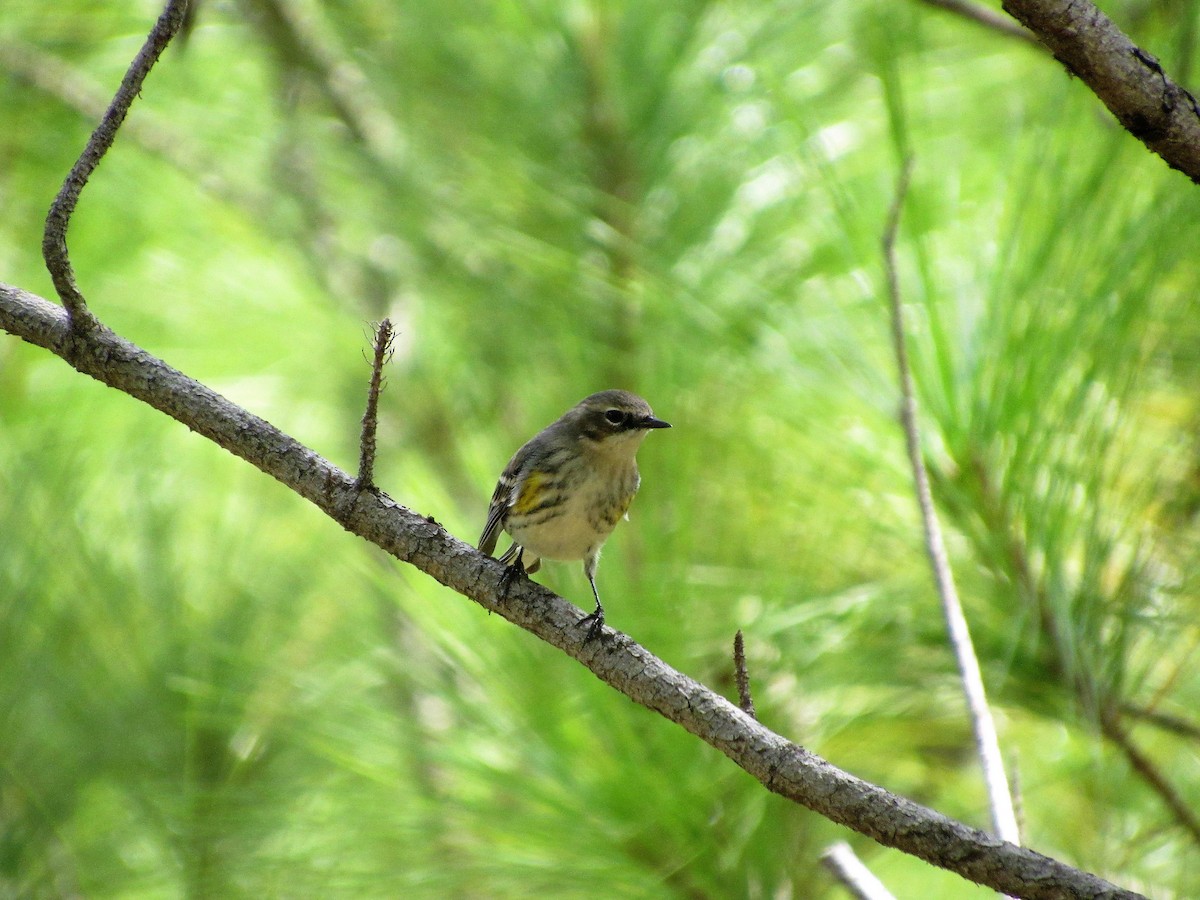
x,y
988,18
149,131
745,701
370,421
1018,797
339,269
54,239
987,744
1130,81
1114,730
852,873
1080,679
1167,722
347,89
780,765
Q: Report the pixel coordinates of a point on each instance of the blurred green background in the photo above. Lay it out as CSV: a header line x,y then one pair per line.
x,y
207,689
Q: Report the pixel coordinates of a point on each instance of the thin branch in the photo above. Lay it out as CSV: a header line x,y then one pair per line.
x,y
1131,83
340,270
1018,797
778,764
1167,722
987,744
54,239
346,87
1080,679
745,701
55,78
370,420
1114,730
852,873
988,18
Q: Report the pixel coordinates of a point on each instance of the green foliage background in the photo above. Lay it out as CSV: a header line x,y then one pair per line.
x,y
209,690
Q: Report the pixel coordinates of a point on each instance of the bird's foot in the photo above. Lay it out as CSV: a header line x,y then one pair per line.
x,y
595,624
511,573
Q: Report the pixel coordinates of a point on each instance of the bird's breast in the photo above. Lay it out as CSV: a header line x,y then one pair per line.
x,y
581,522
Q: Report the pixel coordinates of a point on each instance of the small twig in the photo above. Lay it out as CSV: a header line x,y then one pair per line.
x,y
54,239
370,420
853,874
331,263
1004,819
745,701
148,131
346,87
1115,731
998,519
988,18
1167,722
1018,798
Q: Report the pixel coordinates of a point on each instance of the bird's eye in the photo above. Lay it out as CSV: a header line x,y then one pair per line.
x,y
615,416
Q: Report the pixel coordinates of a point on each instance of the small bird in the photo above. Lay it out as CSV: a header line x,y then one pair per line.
x,y
561,494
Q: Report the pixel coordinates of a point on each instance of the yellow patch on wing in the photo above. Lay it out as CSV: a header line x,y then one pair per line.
x,y
530,494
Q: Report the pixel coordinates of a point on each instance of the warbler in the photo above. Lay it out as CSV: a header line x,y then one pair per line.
x,y
561,494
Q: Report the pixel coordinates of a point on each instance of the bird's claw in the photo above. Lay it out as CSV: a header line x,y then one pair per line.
x,y
506,580
595,624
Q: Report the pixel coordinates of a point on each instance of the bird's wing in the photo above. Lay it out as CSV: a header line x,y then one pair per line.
x,y
508,489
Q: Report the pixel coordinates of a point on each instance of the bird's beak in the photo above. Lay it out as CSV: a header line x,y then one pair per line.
x,y
651,422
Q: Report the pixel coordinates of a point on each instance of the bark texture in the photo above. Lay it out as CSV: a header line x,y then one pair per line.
x,y
1131,83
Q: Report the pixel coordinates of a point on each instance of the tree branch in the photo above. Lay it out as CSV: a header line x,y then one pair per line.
x,y
745,699
988,18
1130,81
987,744
780,765
54,239
843,863
1115,731
341,270
177,149
370,420
347,89
1167,722
998,519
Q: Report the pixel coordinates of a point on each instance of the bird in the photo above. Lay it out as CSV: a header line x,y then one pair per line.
x,y
562,494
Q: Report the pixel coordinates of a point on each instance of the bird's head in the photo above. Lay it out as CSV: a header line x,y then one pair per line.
x,y
615,420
